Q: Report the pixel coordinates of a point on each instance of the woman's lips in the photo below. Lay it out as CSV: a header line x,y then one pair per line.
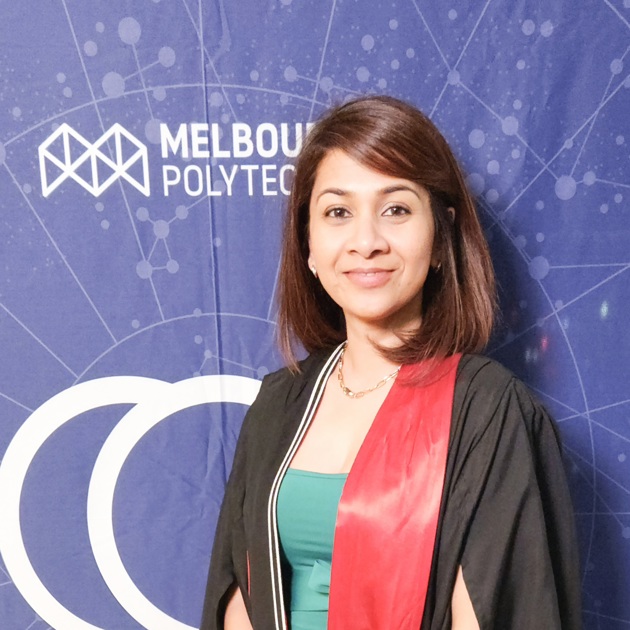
x,y
368,278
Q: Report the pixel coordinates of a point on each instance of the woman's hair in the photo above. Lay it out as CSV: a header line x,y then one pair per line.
x,y
458,299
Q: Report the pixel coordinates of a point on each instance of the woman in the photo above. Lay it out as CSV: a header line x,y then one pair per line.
x,y
435,471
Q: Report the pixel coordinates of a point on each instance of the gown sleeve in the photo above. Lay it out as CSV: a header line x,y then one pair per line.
x,y
228,564
508,518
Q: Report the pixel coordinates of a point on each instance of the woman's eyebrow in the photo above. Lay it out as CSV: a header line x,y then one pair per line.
x,y
333,191
398,188
388,190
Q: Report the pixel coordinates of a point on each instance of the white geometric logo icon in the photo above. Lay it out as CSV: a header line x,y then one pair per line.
x,y
69,155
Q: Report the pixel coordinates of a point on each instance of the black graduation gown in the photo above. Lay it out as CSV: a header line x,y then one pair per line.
x,y
505,516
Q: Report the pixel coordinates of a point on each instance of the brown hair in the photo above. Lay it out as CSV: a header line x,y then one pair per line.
x,y
458,300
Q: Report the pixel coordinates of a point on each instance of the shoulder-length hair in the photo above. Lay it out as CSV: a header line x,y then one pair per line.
x,y
458,298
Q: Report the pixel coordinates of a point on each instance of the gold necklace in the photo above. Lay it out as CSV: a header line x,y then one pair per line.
x,y
347,391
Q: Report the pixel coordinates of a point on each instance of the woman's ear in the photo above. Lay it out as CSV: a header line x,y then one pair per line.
x,y
311,265
451,214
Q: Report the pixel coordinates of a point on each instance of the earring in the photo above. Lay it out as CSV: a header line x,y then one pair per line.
x,y
314,271
437,267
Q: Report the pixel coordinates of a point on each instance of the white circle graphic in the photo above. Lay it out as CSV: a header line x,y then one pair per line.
x,y
121,441
155,400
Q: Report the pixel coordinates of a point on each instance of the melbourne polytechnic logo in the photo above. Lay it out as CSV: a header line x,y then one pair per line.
x,y
197,159
95,166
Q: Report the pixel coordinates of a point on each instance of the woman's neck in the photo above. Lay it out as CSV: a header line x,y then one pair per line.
x,y
363,364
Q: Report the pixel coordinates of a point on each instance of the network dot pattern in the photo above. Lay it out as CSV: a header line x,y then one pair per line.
x,y
533,97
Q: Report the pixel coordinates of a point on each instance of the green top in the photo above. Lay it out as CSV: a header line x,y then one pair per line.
x,y
307,511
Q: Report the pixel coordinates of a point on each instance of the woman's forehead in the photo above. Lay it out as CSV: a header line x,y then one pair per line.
x,y
342,173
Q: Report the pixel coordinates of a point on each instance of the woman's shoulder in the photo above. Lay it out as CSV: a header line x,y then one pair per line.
x,y
487,391
478,374
286,377
285,386
479,371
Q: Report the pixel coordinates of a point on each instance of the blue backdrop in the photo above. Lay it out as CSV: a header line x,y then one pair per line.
x,y
143,169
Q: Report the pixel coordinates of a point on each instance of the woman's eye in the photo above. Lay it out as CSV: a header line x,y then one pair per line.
x,y
396,211
337,213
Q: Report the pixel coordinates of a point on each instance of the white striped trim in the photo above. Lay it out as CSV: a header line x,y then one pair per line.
x,y
274,545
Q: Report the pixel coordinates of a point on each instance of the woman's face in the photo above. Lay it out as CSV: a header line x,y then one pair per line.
x,y
371,242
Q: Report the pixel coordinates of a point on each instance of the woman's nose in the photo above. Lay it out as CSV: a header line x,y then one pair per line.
x,y
367,236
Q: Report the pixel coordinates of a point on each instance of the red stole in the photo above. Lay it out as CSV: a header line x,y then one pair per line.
x,y
388,513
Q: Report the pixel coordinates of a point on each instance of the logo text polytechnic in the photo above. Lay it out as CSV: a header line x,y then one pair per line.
x,y
100,170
